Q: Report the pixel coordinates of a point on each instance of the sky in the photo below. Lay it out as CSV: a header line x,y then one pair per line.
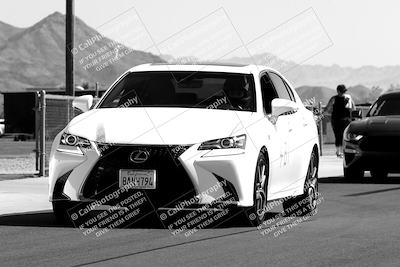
x,y
359,32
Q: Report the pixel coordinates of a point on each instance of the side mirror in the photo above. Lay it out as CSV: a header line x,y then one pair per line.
x,y
83,103
356,114
283,107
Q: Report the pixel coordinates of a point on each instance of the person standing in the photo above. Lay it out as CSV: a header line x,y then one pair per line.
x,y
340,107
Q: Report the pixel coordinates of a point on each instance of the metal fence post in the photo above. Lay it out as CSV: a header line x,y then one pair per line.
x,y
320,126
42,142
97,90
37,130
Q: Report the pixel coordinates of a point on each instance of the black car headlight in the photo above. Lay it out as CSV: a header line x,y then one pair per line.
x,y
73,144
352,137
224,143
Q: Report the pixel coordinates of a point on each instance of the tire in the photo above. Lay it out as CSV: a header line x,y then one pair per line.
x,y
352,173
379,174
60,210
257,213
290,206
306,203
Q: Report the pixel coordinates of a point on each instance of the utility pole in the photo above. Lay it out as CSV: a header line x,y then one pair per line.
x,y
69,45
42,140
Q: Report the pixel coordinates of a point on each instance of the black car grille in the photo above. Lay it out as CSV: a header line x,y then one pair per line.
x,y
172,183
381,143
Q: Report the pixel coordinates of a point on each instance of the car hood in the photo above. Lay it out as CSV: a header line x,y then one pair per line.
x,y
387,125
158,125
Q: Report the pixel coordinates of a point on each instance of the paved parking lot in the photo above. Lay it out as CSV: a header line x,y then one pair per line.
x,y
356,223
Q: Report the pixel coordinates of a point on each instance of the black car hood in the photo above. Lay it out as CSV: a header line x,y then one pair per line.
x,y
378,125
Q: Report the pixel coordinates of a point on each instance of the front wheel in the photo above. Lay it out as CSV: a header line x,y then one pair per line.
x,y
307,202
257,213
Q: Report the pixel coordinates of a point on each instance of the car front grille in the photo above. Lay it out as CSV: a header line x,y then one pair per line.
x,y
380,143
172,183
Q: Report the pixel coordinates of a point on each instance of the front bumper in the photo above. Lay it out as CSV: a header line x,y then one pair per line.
x,y
355,155
194,177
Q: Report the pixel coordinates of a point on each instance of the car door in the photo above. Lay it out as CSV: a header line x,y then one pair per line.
x,y
278,149
302,130
293,140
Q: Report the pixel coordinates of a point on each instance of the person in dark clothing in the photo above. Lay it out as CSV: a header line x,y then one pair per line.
x,y
340,107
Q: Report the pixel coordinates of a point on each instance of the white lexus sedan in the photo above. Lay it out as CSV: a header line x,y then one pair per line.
x,y
190,136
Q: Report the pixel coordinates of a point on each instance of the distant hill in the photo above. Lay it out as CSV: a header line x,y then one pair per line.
x,y
327,76
35,56
6,31
319,93
359,93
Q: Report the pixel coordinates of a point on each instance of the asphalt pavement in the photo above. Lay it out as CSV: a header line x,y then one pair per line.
x,y
357,223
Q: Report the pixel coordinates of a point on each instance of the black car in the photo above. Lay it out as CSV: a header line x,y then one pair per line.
x,y
373,143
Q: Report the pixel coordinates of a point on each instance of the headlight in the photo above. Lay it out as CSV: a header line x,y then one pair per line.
x,y
223,143
352,136
73,144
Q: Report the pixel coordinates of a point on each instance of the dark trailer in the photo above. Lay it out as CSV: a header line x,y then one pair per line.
x,y
20,111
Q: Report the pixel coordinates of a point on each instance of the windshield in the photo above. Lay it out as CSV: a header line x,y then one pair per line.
x,y
214,90
385,107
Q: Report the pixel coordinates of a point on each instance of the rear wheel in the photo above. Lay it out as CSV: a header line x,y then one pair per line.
x,y
257,213
307,202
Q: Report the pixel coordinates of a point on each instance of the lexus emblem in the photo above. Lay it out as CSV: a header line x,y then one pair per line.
x,y
139,156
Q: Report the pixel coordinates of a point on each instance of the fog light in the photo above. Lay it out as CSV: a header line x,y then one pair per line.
x,y
351,150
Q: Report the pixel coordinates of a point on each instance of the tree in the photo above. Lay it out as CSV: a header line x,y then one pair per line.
x,y
85,85
393,87
373,95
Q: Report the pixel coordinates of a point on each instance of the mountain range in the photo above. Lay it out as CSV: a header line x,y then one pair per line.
x,y
317,82
359,93
35,56
326,76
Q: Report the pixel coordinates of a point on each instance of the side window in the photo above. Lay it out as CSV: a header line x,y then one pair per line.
x,y
280,86
268,93
290,92
373,109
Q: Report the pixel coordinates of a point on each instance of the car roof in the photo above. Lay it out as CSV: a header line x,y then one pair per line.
x,y
394,94
206,67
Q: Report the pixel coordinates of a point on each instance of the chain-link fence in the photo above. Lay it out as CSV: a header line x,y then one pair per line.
x,y
53,113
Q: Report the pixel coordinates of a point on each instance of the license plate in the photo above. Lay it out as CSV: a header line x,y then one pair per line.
x,y
137,179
